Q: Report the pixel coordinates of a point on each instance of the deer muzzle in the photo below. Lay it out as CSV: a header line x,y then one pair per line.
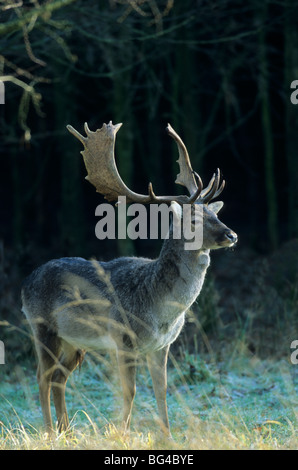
x,y
230,238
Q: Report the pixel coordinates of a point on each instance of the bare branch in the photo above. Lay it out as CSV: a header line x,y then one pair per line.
x,y
46,8
9,5
25,73
139,6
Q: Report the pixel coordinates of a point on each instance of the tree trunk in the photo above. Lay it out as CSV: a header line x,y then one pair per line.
x,y
123,112
270,185
291,73
187,119
71,213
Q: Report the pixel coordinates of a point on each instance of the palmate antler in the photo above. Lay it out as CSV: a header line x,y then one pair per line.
x,y
102,171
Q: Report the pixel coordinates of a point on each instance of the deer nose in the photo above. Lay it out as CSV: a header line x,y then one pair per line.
x,y
231,236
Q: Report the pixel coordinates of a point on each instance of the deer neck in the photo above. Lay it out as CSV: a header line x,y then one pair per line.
x,y
181,272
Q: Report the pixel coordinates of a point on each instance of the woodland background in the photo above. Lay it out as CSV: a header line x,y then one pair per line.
x,y
220,72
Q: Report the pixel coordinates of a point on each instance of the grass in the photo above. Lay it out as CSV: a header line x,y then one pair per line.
x,y
240,403
241,395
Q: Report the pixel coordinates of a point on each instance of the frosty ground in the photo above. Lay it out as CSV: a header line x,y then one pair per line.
x,y
241,403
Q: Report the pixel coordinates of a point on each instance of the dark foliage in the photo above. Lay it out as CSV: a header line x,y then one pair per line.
x,y
218,71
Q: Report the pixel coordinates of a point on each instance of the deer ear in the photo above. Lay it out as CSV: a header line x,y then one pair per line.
x,y
215,206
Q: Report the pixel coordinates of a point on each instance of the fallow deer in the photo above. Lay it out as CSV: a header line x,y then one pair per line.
x,y
134,305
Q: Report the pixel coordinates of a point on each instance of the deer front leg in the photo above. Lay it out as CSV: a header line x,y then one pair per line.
x,y
157,364
127,371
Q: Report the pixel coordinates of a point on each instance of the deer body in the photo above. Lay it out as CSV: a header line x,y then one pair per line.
x,y
135,305
154,294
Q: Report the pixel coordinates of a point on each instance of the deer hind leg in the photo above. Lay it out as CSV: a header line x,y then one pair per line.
x,y
157,364
70,358
47,347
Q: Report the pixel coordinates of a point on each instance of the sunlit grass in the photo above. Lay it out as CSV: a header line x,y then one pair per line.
x,y
241,403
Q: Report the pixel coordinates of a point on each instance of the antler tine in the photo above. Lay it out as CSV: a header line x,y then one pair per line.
x,y
223,183
208,188
212,189
199,183
186,175
76,134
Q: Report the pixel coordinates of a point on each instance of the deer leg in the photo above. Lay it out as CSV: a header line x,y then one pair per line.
x,y
127,371
157,364
68,361
44,375
48,349
47,363
58,386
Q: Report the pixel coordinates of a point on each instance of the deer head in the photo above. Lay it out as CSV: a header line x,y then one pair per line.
x,y
102,172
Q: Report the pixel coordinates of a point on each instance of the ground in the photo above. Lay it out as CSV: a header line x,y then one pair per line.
x,y
231,381
241,403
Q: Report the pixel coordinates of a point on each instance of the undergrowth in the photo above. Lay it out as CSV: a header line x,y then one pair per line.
x,y
231,384
242,403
